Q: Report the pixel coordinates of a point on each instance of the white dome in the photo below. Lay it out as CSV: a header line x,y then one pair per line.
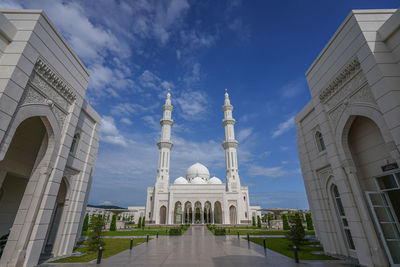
x,y
180,180
215,180
198,180
197,170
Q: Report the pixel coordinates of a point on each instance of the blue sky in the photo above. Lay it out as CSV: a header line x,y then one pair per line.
x,y
259,50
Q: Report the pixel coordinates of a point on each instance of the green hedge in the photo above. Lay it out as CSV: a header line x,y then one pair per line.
x,y
175,231
219,231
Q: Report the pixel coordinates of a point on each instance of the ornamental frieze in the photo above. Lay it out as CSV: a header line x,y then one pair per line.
x,y
337,84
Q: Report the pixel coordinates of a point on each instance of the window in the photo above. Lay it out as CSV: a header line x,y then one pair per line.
x,y
151,198
342,215
245,215
74,144
320,141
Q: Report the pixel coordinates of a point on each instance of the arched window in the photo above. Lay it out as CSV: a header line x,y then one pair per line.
x,y
342,216
320,141
74,144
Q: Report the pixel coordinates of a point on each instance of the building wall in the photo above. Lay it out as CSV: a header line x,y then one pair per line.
x,y
354,84
41,76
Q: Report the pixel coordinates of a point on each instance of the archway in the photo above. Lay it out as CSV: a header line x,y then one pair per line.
x,y
52,233
178,213
197,212
26,151
232,214
207,212
217,213
163,215
369,152
188,212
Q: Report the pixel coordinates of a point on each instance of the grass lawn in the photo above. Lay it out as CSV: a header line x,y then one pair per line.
x,y
113,246
284,246
136,232
258,231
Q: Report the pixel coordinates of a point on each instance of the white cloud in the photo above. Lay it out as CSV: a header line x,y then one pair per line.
x,y
152,122
293,88
110,134
193,104
283,127
126,121
255,170
9,4
243,134
106,203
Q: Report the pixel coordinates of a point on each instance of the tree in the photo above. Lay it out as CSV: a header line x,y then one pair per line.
x,y
143,222
310,225
85,225
285,222
95,240
113,225
258,221
254,221
296,233
139,224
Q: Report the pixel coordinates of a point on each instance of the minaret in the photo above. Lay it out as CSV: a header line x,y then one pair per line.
x,y
165,145
230,145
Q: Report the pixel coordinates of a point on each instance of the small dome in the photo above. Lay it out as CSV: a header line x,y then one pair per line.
x,y
197,170
180,180
198,180
215,180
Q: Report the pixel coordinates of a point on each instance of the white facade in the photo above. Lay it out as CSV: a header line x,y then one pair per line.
x,y
349,139
48,139
198,198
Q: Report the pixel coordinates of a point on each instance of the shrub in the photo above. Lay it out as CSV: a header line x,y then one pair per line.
x,y
143,222
95,240
296,233
139,224
175,231
258,221
219,231
310,225
85,225
113,225
285,222
254,221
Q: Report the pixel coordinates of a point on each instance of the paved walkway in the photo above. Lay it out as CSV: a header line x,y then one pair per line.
x,y
198,247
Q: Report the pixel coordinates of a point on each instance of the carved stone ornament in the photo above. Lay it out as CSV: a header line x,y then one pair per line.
x,y
324,173
336,84
70,173
47,87
54,79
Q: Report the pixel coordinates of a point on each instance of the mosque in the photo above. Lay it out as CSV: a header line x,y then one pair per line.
x,y
199,199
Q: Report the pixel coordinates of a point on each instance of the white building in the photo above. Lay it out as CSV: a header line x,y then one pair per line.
x,y
137,212
48,139
349,139
198,198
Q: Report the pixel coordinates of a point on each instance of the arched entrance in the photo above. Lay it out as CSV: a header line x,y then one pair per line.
x,y
197,212
232,214
188,213
207,212
163,215
24,154
382,189
178,213
217,213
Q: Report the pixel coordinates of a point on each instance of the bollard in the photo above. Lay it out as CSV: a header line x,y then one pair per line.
x,y
99,255
248,238
131,244
229,230
157,234
265,245
296,256
147,238
238,235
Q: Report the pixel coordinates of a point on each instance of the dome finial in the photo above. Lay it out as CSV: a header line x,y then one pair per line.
x,y
227,102
168,100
